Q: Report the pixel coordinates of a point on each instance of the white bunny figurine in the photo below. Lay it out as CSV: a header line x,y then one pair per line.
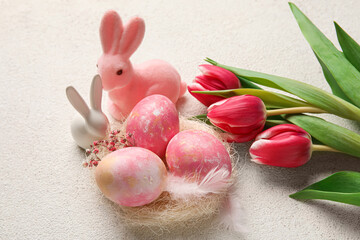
x,y
94,124
128,84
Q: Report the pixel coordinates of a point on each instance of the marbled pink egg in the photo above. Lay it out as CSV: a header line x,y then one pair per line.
x,y
131,176
152,124
193,153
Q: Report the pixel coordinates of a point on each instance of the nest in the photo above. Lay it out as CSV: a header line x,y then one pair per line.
x,y
166,212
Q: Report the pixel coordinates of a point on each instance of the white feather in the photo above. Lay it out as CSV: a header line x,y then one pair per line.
x,y
232,215
216,181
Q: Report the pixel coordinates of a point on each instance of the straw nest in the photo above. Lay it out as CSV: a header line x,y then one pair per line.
x,y
166,212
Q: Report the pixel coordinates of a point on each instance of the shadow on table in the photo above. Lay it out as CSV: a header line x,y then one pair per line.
x,y
343,214
356,124
321,165
204,231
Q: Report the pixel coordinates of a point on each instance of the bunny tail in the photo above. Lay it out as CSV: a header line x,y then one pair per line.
x,y
216,181
232,215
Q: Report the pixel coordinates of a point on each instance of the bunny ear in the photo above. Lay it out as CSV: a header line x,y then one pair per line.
x,y
77,101
133,35
111,30
96,93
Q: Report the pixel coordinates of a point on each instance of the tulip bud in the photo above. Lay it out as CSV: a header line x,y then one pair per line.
x,y
284,145
213,78
243,116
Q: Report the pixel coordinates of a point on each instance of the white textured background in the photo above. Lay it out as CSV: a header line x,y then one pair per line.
x,y
45,46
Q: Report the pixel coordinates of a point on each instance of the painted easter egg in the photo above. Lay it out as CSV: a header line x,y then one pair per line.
x,y
193,153
152,124
131,176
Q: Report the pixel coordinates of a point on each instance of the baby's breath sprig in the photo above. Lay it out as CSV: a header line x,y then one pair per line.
x,y
101,148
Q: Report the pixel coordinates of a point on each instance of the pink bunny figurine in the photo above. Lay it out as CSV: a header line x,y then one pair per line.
x,y
128,84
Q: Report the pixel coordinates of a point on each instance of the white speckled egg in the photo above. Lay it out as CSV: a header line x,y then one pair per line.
x,y
131,176
193,153
152,124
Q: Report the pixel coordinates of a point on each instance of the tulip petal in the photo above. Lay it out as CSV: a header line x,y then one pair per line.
x,y
257,145
243,116
228,78
238,111
240,129
213,78
206,100
239,138
209,83
257,160
214,105
281,129
282,155
282,146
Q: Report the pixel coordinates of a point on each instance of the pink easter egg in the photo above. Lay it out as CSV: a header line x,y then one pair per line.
x,y
131,176
152,124
193,153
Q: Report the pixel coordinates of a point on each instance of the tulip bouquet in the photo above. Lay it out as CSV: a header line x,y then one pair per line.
x,y
242,109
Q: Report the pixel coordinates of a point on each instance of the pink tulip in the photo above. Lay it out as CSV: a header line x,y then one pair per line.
x,y
241,116
284,145
213,78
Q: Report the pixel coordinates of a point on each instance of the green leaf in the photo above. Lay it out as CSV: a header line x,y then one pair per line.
x,y
275,117
272,123
313,95
345,74
350,48
247,84
202,117
332,82
330,134
271,99
341,187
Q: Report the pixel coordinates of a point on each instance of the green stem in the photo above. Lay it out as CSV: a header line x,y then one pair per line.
x,y
201,116
323,148
294,110
276,122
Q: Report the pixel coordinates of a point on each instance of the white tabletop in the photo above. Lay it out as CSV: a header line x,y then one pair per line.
x,y
46,46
